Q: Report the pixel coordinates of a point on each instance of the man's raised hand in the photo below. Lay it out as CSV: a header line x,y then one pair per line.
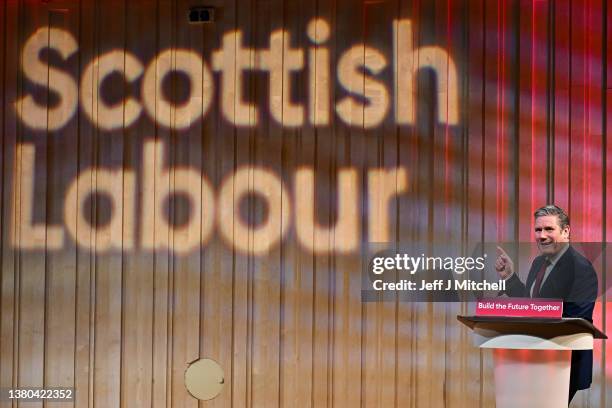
x,y
504,265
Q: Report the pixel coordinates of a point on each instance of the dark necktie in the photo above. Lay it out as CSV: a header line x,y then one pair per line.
x,y
540,278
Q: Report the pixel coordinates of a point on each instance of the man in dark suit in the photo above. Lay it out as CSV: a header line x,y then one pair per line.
x,y
559,272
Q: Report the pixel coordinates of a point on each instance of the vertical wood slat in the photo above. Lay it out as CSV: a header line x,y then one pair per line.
x,y
186,307
6,298
494,145
593,200
456,347
109,267
539,71
32,181
163,284
85,322
594,144
243,385
473,207
322,148
347,318
61,268
140,302
533,147
217,320
562,95
296,326
607,129
9,276
577,117
378,386
407,213
605,314
579,132
265,346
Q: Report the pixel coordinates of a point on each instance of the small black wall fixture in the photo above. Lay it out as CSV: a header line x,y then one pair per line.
x,y
199,15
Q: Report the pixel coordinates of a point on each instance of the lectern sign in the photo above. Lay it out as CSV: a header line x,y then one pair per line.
x,y
520,307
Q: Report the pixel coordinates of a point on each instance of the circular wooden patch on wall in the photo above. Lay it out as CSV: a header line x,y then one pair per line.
x,y
204,379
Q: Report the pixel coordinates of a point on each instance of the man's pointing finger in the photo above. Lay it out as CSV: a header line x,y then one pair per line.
x,y
502,252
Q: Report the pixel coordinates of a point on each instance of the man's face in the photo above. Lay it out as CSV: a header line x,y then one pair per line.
x,y
549,236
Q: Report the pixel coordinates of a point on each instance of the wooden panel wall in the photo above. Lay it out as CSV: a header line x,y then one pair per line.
x,y
120,310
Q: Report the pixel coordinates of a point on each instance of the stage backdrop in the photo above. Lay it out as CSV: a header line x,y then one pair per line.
x,y
172,191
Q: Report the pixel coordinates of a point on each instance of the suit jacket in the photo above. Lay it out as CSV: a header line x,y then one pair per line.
x,y
574,280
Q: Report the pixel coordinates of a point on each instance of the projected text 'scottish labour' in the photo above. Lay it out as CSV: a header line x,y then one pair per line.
x,y
289,198
367,105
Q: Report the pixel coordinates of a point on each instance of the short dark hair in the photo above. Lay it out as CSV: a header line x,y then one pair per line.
x,y
552,209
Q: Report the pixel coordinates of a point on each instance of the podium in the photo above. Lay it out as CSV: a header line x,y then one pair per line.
x,y
531,356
